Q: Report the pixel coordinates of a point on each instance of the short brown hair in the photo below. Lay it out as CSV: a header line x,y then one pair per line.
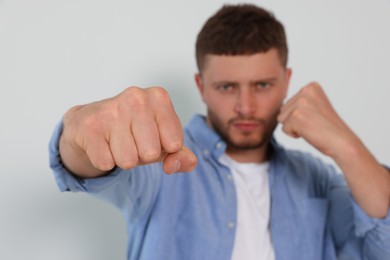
x,y
242,29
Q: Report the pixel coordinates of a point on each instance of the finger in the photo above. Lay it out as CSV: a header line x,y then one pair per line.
x,y
123,147
170,130
146,136
168,123
181,161
290,130
98,152
300,102
286,112
286,109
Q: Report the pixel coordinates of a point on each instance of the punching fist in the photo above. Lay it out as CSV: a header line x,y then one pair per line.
x,y
136,127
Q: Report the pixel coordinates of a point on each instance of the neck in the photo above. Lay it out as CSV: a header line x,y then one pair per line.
x,y
257,155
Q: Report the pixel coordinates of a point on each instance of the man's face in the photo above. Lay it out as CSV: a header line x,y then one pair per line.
x,y
243,94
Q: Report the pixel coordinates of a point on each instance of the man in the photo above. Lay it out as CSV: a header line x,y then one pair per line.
x,y
247,197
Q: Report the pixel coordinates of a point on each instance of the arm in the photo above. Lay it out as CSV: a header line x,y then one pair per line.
x,y
136,127
310,115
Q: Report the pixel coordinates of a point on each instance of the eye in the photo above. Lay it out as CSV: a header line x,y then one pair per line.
x,y
225,87
263,85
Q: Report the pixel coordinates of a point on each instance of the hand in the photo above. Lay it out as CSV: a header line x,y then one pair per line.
x,y
136,127
310,115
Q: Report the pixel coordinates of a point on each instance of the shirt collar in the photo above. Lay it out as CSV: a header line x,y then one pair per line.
x,y
205,137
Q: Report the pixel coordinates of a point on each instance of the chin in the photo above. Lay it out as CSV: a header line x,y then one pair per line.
x,y
248,144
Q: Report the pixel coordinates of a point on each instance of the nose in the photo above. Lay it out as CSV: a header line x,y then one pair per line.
x,y
246,102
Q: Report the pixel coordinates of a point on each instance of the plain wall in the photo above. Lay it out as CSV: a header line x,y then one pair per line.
x,y
55,54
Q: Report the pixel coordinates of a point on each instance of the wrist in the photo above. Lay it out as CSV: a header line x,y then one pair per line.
x,y
348,150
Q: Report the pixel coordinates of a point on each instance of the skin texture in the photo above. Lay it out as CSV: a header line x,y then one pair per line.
x,y
244,95
136,127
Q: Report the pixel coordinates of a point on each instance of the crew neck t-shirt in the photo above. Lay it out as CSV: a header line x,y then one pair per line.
x,y
253,239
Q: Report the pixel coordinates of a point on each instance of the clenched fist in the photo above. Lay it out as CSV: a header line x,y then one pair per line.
x,y
136,127
310,115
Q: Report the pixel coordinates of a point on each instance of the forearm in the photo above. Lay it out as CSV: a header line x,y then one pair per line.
x,y
368,180
310,115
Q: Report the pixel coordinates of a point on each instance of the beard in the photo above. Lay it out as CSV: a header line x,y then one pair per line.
x,y
258,138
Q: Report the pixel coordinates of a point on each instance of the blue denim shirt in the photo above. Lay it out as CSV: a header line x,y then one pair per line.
x,y
194,215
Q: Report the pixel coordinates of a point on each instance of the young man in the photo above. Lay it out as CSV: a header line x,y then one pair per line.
x,y
246,197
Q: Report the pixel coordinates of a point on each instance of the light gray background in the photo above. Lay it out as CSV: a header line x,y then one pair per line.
x,y
55,54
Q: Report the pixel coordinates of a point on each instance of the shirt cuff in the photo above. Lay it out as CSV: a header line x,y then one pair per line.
x,y
66,181
365,223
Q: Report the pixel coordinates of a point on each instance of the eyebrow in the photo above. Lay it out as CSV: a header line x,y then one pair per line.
x,y
223,82
273,79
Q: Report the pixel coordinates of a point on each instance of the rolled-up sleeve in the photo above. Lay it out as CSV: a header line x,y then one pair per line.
x,y
375,231
67,181
132,191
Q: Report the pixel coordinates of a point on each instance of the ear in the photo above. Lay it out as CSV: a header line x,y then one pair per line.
x,y
199,84
198,81
288,73
287,79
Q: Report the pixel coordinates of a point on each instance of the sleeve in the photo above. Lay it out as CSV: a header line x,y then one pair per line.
x,y
374,231
356,234
132,191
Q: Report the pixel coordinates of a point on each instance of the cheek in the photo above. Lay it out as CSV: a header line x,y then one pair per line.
x,y
217,103
270,105
219,109
277,104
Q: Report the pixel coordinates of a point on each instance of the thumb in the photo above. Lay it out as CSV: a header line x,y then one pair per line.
x,y
181,161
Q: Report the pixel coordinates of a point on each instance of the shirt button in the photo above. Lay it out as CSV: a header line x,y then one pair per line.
x,y
230,225
230,177
219,145
206,152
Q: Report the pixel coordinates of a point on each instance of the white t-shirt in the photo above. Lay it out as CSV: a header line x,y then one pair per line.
x,y
253,239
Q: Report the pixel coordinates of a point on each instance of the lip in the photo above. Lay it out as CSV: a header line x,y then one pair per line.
x,y
246,126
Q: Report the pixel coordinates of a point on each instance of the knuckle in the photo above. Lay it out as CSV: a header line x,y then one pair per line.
x,y
304,89
297,114
131,91
98,159
70,113
313,88
150,156
91,124
160,94
104,165
302,103
127,164
315,85
97,118
174,146
109,109
158,90
134,96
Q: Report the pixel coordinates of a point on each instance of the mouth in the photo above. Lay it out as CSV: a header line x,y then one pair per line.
x,y
246,125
